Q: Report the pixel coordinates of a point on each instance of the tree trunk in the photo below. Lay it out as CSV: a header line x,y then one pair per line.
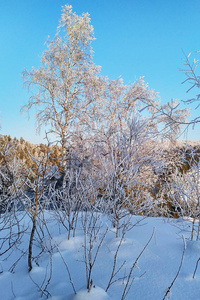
x,y
31,244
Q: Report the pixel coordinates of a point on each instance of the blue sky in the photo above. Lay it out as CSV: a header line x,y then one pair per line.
x,y
133,38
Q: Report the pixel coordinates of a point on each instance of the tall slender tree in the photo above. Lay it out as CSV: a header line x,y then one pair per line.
x,y
63,85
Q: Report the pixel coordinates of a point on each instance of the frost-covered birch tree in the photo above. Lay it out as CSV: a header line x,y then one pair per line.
x,y
63,86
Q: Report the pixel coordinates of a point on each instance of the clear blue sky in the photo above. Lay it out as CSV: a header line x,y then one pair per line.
x,y
133,38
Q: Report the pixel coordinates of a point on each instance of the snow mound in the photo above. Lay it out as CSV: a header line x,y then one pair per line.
x,y
95,293
72,244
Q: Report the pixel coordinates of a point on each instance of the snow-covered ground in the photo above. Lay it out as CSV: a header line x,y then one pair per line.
x,y
153,273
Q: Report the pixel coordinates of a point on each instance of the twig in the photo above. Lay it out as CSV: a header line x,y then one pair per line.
x,y
114,272
169,288
70,278
127,286
196,267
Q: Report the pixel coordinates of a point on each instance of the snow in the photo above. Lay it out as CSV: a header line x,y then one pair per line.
x,y
152,274
95,293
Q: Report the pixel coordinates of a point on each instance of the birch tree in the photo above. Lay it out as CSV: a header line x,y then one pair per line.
x,y
63,86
